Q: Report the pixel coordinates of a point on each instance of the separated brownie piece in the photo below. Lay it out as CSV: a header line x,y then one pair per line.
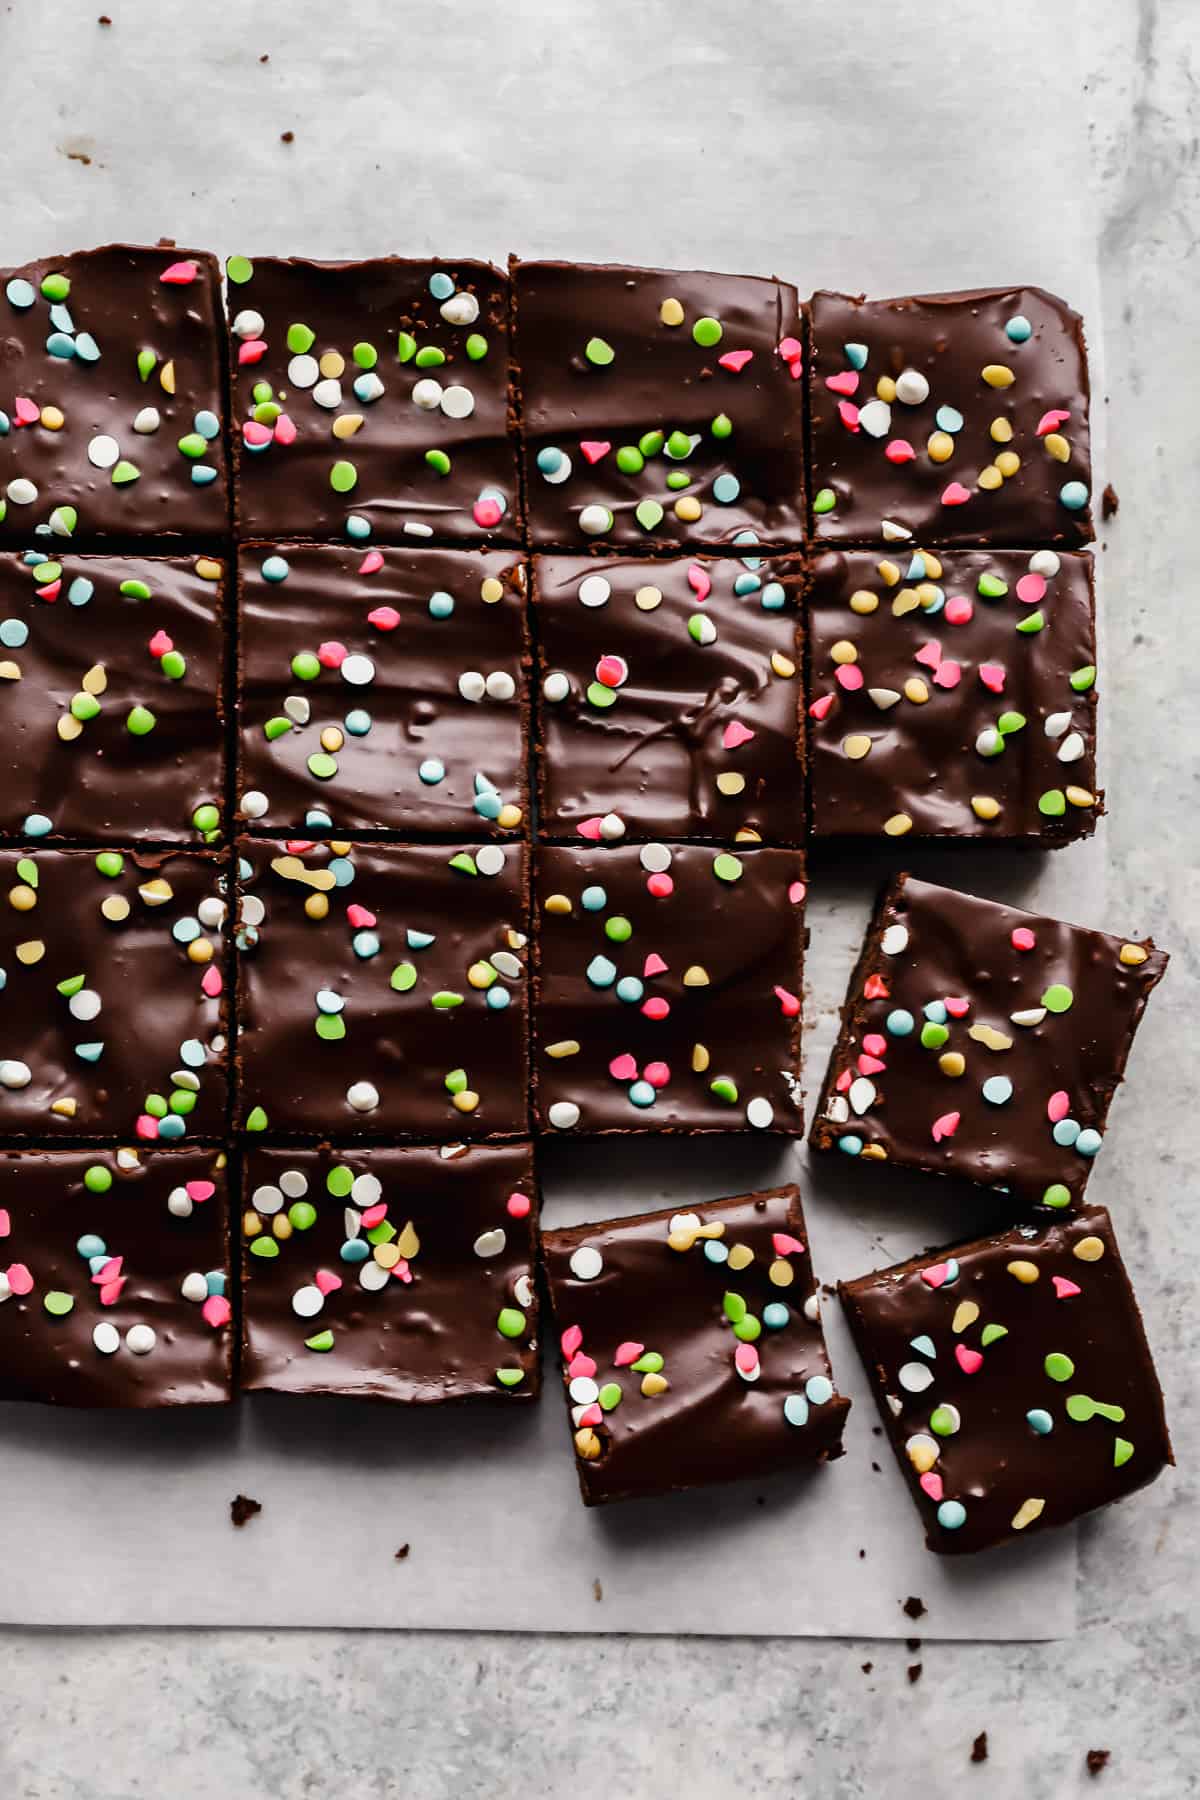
x,y
985,1042
1013,1378
670,697
114,1267
112,697
667,989
112,979
691,1345
381,989
950,419
392,1274
372,400
383,688
112,410
953,695
658,409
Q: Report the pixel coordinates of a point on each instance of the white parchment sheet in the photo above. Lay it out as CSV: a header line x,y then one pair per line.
x,y
783,138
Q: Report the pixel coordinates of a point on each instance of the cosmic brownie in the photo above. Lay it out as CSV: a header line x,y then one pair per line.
x,y
953,695
371,400
670,698
691,1347
1013,1378
112,993
395,1274
112,412
658,409
983,1042
111,697
950,419
382,688
667,988
114,1267
381,989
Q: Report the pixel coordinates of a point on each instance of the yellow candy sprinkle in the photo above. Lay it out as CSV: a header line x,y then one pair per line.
x,y
874,1152
317,906
53,418
466,1102
984,806
844,651
1008,462
929,595
509,816
332,364
386,1255
331,738
781,1272
897,825
933,567
69,728
998,375
740,1257
563,1047
647,598
491,590
695,976
31,952
782,665
1026,1272
116,909
670,312
729,783
10,671
22,898
341,846
746,835
346,425
481,975
1089,1249
166,377
156,892
1132,954
965,1314
587,1444
557,903
200,950
940,446
1080,797
953,1063
856,746
699,1059
1027,1513
251,1224
990,478
654,1384
922,1453
916,691
281,1227
889,572
863,602
885,389
66,1109
990,1038
408,1243
906,601
1000,431
688,508
208,568
1057,446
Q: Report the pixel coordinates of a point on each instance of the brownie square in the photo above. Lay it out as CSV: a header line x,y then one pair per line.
x,y
1013,1378
371,400
113,992
667,988
691,1347
658,409
670,698
114,1270
112,697
383,688
954,695
114,374
950,419
381,989
394,1274
983,1042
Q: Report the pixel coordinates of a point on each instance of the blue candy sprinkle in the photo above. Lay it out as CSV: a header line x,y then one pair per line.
x,y
441,286
329,1002
3,980
13,633
935,1011
60,318
795,1409
5,424
86,347
641,1093
997,1090
497,998
357,527
37,825
775,1315
549,460
715,1251
900,1023
185,930
1018,330
97,1260
342,870
1088,1142
1074,496
358,722
856,355
173,1126
773,597
275,568
916,567
355,1250
20,294
951,1515
317,820
365,944
746,584
819,1389
851,1144
630,988
948,418
924,1346
60,345
419,940
192,1053
90,1245
601,972
1065,1132
488,804
1039,1421
936,604
432,771
80,591
484,784
441,604
214,1280
207,424
203,475
726,489
593,899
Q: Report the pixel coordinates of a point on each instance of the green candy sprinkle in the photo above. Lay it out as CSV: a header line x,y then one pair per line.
x,y
406,346
136,590
648,1363
1059,1367
1058,998
1057,1196
124,473
277,727
343,477
630,460
734,1307
1122,1451
141,721
322,1341
430,357
300,339
146,361
707,332
724,1089
992,587
721,426
56,287
648,514
598,352
264,1246
58,1304
933,1036
305,666
256,1119
302,1214
1082,679
444,1000
510,1378
477,349
239,269
266,412
383,1233
1008,722
84,706
97,1179
404,977
1034,621
71,985
193,445
943,1421
678,479
618,929
456,1081
824,501
339,1181
511,1322
1052,804
322,765
747,1329
601,696
650,443
27,869
678,445
206,818
464,863
365,355
330,1027
610,1395
156,1106
438,461
992,1334
110,863
173,665
727,867
182,1102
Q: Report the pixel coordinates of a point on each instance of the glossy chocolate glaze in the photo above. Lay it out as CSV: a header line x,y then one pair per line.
x,y
162,1016
119,300
396,1039
285,490
710,1423
431,1337
961,947
655,754
108,783
46,1210
924,766
418,714
747,936
925,1315
659,379
948,339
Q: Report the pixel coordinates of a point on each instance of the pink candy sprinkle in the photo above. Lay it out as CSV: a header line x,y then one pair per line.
x,y
935,1275
820,707
256,434
844,382
110,1293
1023,938
27,411
589,829
180,274
947,675
656,1007
1031,588
327,1281
285,430
929,654
875,1044
19,1279
969,1361
784,1244
50,592
1058,1106
360,918
487,511
745,1359
252,350
199,1191
1050,421
931,1484
699,581
789,1004
796,892
736,360
591,1415
570,1340
627,1353
870,1065
843,1081
848,414
791,349
899,450
374,1215
216,1311
371,563
658,1074
957,1007
955,494
595,449
992,677
518,1206
383,618
623,1067
581,1365
849,676
653,965
5,1222
958,611
612,671
147,1126
160,643
212,985
662,886
1064,1289
735,734
946,1126
331,654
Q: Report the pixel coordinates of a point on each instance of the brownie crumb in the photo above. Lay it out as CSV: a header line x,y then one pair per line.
x,y
287,137
597,1591
1097,1760
914,1608
867,1667
79,157
979,1748
862,1556
242,1508
914,1673
912,1645
263,59
1109,502
402,1553
104,19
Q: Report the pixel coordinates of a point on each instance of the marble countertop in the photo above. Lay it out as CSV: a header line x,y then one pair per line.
x,y
271,1716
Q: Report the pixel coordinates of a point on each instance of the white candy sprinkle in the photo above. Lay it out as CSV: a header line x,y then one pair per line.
x,y
179,1203
500,685
294,1183
1072,748
106,1338
103,452
211,911
368,387
506,964
586,1263
141,1339
147,421
85,1004
471,685
15,1074
363,1096
373,1278
255,803
490,1243
248,324
563,1114
760,1113
893,533
21,492
427,394
915,1377
884,697
194,1288
304,371
457,402
523,1290
1057,723
862,1095
5,1289
812,1309
253,909
460,309
357,670
365,1190
1030,1015
267,1198
562,473
894,940
1045,562
297,708
912,387
594,590
594,520
307,1302
655,859
490,860
128,1159
328,393
583,1391
875,418
556,687
612,827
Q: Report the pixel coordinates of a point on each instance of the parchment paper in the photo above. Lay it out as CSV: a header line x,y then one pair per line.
x,y
778,138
